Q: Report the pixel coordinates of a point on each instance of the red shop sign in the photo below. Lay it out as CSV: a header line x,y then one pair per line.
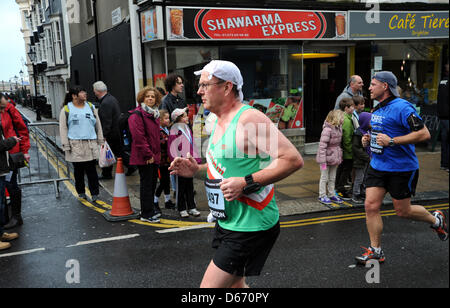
x,y
247,24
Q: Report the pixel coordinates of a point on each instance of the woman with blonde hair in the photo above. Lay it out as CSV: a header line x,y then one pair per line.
x,y
145,149
329,156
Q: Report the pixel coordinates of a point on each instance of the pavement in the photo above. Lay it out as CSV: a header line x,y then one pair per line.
x,y
298,193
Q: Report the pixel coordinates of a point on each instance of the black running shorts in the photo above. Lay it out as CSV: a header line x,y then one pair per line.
x,y
400,185
243,253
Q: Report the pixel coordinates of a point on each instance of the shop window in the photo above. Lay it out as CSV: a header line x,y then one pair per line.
x,y
273,77
417,66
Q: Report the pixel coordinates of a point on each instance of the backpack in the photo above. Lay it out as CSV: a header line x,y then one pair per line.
x,y
125,129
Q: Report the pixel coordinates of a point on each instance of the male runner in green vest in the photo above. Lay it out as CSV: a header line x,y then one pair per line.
x,y
245,156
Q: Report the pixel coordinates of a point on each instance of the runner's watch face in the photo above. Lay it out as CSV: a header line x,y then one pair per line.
x,y
391,142
251,185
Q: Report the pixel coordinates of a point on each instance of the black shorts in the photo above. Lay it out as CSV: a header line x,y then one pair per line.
x,y
400,185
243,253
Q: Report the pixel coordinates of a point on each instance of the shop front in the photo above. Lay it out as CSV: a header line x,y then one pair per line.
x,y
412,44
293,62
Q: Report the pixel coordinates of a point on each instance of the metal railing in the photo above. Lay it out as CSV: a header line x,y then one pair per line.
x,y
47,163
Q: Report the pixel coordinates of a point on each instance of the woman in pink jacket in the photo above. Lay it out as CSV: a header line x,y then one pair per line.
x,y
329,156
145,149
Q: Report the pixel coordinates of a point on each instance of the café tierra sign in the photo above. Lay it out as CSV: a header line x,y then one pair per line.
x,y
253,24
398,25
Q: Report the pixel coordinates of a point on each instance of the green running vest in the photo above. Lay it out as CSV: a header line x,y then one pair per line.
x,y
255,212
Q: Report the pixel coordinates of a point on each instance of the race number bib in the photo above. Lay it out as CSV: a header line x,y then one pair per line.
x,y
216,201
374,147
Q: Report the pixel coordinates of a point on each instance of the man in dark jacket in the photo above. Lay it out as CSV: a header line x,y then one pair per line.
x,y
109,113
174,86
443,112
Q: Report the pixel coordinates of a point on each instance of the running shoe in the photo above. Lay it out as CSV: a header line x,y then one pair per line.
x,y
370,254
325,200
336,199
344,195
442,230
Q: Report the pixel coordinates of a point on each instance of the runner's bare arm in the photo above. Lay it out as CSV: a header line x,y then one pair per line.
x,y
411,138
285,157
256,134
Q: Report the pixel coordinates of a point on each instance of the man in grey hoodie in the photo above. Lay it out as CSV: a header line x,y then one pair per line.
x,y
353,88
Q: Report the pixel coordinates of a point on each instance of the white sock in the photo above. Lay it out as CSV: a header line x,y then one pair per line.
x,y
377,249
167,197
437,223
155,199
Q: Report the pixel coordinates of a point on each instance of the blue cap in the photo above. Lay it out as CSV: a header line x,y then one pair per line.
x,y
390,79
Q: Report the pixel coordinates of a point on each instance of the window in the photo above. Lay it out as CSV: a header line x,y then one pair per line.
x,y
416,65
50,49
38,53
44,49
40,9
273,76
33,18
58,43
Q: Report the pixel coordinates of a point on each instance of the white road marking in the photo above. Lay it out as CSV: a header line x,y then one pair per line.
x,y
21,252
207,225
115,238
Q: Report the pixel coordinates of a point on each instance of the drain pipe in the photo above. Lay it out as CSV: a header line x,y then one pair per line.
x,y
97,45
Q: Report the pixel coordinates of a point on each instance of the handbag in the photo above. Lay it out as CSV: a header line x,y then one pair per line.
x,y
17,161
106,158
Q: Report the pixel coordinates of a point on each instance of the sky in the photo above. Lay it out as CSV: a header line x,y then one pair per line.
x,y
12,47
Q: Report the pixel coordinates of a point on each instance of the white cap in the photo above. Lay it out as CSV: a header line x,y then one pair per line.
x,y
224,70
177,112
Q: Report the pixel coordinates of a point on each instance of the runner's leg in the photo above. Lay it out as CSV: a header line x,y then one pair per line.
x,y
216,278
404,209
374,222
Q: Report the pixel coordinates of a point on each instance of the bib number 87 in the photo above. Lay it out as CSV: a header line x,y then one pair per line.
x,y
213,198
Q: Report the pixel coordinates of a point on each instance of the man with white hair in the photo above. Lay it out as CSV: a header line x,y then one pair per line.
x,y
109,113
245,156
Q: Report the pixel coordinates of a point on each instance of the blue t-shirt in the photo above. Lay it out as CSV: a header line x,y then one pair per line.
x,y
392,120
81,123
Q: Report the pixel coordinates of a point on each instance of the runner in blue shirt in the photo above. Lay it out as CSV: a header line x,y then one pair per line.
x,y
394,168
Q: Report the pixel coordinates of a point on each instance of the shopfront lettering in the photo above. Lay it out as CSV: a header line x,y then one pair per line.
x,y
289,28
432,22
243,21
271,24
409,22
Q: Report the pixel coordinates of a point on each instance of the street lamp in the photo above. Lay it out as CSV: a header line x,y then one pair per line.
x,y
32,55
23,90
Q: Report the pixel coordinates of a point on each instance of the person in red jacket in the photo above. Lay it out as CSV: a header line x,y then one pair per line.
x,y
13,125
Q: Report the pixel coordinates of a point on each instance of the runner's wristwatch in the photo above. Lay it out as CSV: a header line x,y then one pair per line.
x,y
252,186
391,142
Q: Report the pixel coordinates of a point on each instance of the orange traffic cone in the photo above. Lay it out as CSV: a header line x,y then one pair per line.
x,y
121,207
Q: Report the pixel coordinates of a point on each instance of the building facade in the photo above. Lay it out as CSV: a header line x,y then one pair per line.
x,y
296,56
100,38
43,27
